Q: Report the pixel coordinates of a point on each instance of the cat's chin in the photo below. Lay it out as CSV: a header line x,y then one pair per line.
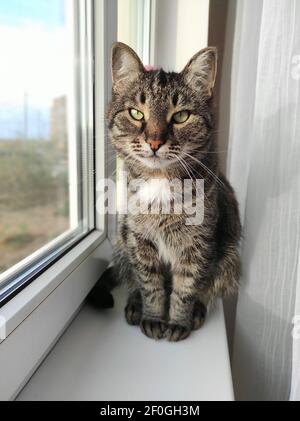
x,y
156,163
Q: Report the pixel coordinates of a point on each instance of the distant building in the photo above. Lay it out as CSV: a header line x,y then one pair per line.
x,y
58,123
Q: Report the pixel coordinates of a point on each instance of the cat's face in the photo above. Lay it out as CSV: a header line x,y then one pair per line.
x,y
157,119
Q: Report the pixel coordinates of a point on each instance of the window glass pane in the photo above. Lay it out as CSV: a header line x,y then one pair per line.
x,y
42,145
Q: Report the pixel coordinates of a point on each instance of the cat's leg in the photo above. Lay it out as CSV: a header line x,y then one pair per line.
x,y
199,314
189,298
187,311
182,304
202,303
124,271
153,297
150,279
134,308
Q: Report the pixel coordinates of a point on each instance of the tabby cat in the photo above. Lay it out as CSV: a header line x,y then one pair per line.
x,y
161,125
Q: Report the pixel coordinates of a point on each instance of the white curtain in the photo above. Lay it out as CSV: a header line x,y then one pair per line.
x,y
295,387
264,167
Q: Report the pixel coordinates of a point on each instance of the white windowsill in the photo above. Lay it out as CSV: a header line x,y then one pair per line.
x,y
100,357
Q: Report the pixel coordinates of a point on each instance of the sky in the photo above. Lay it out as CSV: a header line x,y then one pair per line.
x,y
36,61
16,12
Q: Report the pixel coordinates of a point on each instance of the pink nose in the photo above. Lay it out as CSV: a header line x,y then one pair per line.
x,y
154,144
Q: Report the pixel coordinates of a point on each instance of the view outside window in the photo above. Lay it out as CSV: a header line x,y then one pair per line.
x,y
38,179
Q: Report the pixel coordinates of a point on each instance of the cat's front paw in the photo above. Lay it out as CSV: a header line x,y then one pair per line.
x,y
154,329
176,332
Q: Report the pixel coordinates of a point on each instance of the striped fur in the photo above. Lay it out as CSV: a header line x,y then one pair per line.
x,y
201,261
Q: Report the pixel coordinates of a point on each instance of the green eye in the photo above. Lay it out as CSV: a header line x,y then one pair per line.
x,y
181,117
136,115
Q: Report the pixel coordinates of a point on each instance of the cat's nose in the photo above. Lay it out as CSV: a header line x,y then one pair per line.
x,y
155,144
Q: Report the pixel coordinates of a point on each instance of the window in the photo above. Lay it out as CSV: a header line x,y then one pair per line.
x,y
46,135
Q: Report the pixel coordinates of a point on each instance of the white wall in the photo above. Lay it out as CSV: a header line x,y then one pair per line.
x,y
181,30
134,26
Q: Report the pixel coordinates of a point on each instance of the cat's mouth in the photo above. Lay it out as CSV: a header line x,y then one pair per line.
x,y
155,161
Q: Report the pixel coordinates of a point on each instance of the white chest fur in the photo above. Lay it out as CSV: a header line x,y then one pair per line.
x,y
166,253
156,190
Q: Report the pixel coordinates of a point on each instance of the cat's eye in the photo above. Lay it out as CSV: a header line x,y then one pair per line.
x,y
181,117
136,114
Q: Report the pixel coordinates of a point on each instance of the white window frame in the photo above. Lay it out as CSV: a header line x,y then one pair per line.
x,y
37,316
138,29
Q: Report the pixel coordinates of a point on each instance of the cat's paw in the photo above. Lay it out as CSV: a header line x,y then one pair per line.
x,y
154,329
133,313
176,333
199,315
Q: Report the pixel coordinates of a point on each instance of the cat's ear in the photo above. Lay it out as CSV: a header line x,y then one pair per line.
x,y
201,71
126,66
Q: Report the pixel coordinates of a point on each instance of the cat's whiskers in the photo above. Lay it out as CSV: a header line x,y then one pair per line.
x,y
217,179
186,165
182,163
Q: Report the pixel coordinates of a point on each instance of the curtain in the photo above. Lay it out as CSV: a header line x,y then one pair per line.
x,y
295,387
264,168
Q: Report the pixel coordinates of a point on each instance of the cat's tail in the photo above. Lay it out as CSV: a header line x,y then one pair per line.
x,y
100,296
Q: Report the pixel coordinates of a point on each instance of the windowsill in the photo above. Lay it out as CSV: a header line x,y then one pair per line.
x,y
100,357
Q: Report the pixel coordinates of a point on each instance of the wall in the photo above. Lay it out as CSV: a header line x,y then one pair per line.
x,y
181,30
220,35
222,23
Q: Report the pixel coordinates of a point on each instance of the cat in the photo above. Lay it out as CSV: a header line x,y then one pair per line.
x,y
161,125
